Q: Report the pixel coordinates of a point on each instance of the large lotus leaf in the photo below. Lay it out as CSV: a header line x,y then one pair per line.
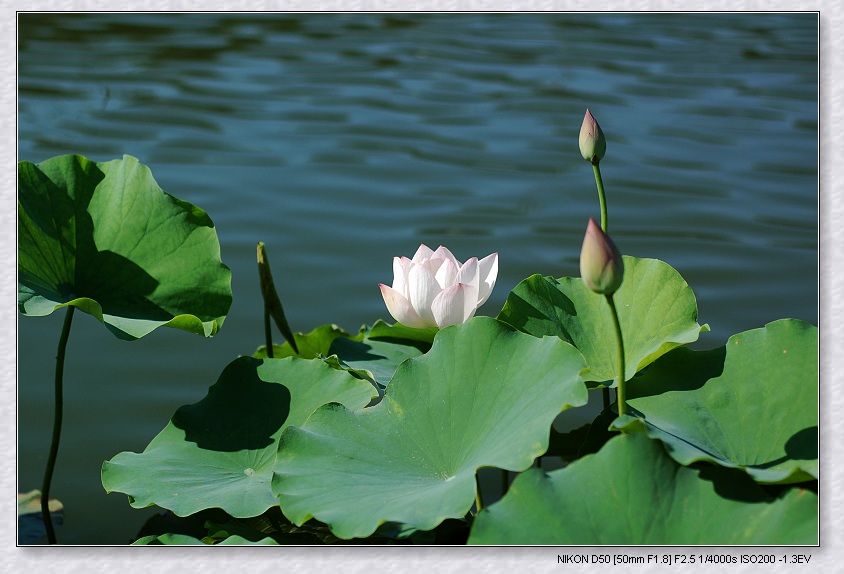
x,y
220,452
485,395
632,493
656,309
752,404
106,239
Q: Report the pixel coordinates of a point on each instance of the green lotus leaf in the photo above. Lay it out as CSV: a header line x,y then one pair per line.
x,y
220,452
374,353
381,348
421,337
186,540
485,395
632,493
377,359
378,350
656,309
310,345
105,238
752,404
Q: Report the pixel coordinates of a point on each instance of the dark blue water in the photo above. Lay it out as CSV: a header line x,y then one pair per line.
x,y
342,140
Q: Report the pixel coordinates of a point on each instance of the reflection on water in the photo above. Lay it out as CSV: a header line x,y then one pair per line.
x,y
341,140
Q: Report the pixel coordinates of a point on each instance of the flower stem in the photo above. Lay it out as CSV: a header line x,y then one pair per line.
x,y
57,429
479,504
601,196
620,396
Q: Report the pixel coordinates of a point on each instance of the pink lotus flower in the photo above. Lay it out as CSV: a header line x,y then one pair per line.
x,y
435,290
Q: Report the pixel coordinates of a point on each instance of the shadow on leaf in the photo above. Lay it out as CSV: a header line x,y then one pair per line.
x,y
534,307
803,445
681,369
241,411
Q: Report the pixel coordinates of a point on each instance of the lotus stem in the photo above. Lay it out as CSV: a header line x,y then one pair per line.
x,y
619,392
601,195
57,428
602,198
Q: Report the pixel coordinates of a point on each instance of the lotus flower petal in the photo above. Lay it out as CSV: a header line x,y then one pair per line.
x,y
488,269
447,273
443,253
424,252
423,287
432,265
401,267
400,308
455,305
469,273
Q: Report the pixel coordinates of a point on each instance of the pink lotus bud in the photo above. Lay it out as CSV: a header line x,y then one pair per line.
x,y
593,145
601,266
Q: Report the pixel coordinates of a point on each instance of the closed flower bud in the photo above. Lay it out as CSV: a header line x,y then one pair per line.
x,y
601,266
593,145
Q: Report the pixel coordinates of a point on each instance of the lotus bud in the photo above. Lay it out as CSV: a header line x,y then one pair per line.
x,y
601,266
593,145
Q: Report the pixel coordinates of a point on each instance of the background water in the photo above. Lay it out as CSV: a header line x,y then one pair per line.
x,y
343,140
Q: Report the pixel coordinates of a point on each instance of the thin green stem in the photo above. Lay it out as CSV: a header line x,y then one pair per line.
x,y
619,392
57,429
479,504
268,332
601,196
